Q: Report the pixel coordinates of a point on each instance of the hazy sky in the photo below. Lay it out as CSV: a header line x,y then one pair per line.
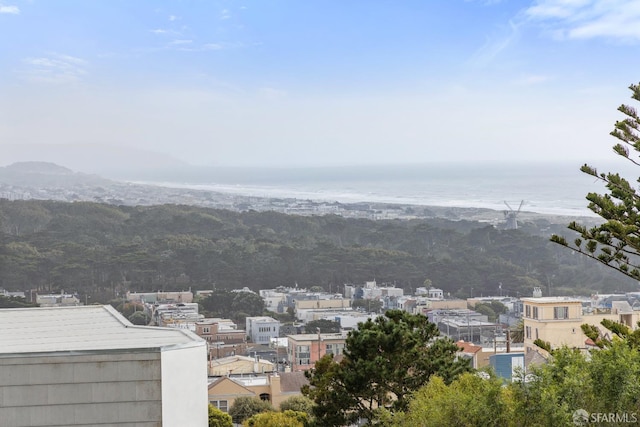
x,y
303,82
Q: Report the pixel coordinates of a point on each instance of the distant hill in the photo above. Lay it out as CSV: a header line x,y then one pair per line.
x,y
45,168
109,161
46,175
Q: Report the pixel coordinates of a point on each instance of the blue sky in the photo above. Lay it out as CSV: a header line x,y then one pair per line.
x,y
270,82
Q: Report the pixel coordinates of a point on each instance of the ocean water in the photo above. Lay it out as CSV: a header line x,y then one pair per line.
x,y
546,188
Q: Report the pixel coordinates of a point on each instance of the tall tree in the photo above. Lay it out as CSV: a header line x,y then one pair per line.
x,y
384,362
616,242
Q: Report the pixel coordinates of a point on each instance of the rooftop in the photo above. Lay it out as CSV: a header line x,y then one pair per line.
x,y
314,337
551,300
81,328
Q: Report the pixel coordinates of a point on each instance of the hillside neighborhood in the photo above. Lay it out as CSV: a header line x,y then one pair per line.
x,y
267,358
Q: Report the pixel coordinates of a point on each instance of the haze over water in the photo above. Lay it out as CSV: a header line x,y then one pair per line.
x,y
550,188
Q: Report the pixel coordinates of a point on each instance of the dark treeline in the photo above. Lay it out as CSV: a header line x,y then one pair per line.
x,y
102,250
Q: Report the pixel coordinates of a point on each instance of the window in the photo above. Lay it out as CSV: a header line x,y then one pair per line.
x,y
335,349
535,312
220,404
527,311
537,337
303,355
527,332
206,330
560,312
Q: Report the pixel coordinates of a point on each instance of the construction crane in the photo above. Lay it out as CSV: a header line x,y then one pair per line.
x,y
511,216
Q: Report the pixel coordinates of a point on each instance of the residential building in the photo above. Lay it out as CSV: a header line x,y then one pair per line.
x,y
222,337
261,329
465,324
469,351
236,365
57,300
306,349
558,320
507,365
160,297
89,366
274,388
179,315
321,304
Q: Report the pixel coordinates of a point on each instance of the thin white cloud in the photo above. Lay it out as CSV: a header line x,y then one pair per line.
x,y
225,14
495,45
532,79
180,42
213,46
13,10
173,18
55,68
586,19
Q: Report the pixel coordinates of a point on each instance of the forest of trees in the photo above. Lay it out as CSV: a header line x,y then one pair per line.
x,y
103,250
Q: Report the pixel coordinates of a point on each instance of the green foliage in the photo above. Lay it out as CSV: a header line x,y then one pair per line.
x,y
219,418
384,362
608,381
139,318
286,418
325,326
517,332
545,345
368,305
245,407
105,250
234,305
298,404
616,242
468,401
15,302
593,333
128,308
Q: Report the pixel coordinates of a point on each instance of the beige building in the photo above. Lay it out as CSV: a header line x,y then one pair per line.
x,y
322,303
234,365
558,320
274,388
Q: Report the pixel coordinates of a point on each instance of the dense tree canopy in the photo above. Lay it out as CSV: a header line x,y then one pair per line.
x,y
324,325
604,383
104,250
616,242
233,304
384,361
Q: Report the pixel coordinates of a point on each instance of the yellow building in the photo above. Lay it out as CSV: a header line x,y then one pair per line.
x,y
274,388
557,320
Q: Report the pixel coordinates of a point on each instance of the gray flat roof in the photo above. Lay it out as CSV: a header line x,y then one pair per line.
x,y
82,328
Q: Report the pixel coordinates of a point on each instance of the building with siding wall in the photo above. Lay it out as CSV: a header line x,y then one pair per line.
x,y
89,366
